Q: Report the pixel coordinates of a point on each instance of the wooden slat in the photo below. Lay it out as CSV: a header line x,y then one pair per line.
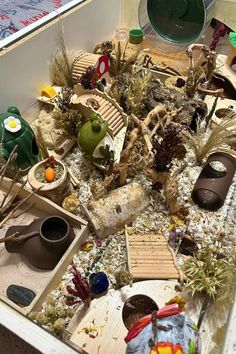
x,y
149,257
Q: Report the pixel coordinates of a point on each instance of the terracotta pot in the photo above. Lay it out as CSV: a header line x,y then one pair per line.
x,y
136,307
56,190
47,246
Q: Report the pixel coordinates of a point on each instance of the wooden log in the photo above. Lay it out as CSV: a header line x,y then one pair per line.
x,y
120,208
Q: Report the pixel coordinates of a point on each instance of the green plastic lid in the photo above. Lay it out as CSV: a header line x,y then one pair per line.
x,y
232,38
179,22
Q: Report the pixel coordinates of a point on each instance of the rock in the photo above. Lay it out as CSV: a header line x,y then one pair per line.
x,y
20,295
98,282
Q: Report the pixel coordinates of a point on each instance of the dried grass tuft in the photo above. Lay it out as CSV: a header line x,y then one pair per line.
x,y
41,142
219,140
137,92
61,65
210,275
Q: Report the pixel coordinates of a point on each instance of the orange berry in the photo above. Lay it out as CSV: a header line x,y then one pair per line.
x,y
49,174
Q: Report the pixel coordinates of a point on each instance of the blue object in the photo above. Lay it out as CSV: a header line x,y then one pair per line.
x,y
98,282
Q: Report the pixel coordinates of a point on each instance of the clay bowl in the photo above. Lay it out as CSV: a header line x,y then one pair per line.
x,y
136,307
53,235
56,190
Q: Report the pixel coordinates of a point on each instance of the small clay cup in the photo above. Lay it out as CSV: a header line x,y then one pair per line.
x,y
45,249
57,190
136,307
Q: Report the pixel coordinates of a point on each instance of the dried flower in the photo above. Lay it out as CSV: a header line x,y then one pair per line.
x,y
180,82
50,162
89,79
164,149
63,100
177,300
81,288
65,116
175,236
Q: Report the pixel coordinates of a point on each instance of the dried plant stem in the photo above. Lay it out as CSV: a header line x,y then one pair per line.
x,y
200,70
20,212
61,65
11,215
133,138
144,132
17,237
9,204
203,311
170,188
41,143
202,89
9,238
10,188
9,160
221,136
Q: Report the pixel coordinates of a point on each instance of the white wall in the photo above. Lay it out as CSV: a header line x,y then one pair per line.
x,y
24,67
129,10
225,11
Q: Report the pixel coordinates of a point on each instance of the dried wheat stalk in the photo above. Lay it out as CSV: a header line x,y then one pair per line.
x,y
221,136
61,65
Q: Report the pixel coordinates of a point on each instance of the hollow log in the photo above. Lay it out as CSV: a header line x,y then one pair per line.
x,y
119,208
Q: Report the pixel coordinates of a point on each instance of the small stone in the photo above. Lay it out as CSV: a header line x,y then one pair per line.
x,y
98,282
20,295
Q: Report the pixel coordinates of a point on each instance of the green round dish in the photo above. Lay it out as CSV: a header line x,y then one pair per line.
x,y
135,36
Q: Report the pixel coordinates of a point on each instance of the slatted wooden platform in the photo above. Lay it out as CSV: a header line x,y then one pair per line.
x,y
150,257
108,108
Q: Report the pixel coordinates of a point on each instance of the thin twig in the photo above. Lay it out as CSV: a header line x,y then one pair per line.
x,y
9,190
9,160
20,212
8,238
11,213
17,237
9,204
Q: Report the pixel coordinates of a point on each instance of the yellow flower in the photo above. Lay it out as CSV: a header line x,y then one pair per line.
x,y
177,300
12,124
177,221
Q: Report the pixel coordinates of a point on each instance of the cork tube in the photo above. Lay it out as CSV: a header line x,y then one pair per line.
x,y
214,181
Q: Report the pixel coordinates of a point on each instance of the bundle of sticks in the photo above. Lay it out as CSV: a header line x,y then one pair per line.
x,y
11,204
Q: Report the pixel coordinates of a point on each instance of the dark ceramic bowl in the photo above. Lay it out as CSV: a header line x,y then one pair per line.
x,y
136,307
53,235
135,36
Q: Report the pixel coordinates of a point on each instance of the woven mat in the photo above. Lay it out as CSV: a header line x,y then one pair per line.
x,y
17,14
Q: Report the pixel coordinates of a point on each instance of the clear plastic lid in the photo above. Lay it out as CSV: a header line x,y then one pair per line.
x,y
175,22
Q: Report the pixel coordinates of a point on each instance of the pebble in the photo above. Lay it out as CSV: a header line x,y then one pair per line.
x,y
20,295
